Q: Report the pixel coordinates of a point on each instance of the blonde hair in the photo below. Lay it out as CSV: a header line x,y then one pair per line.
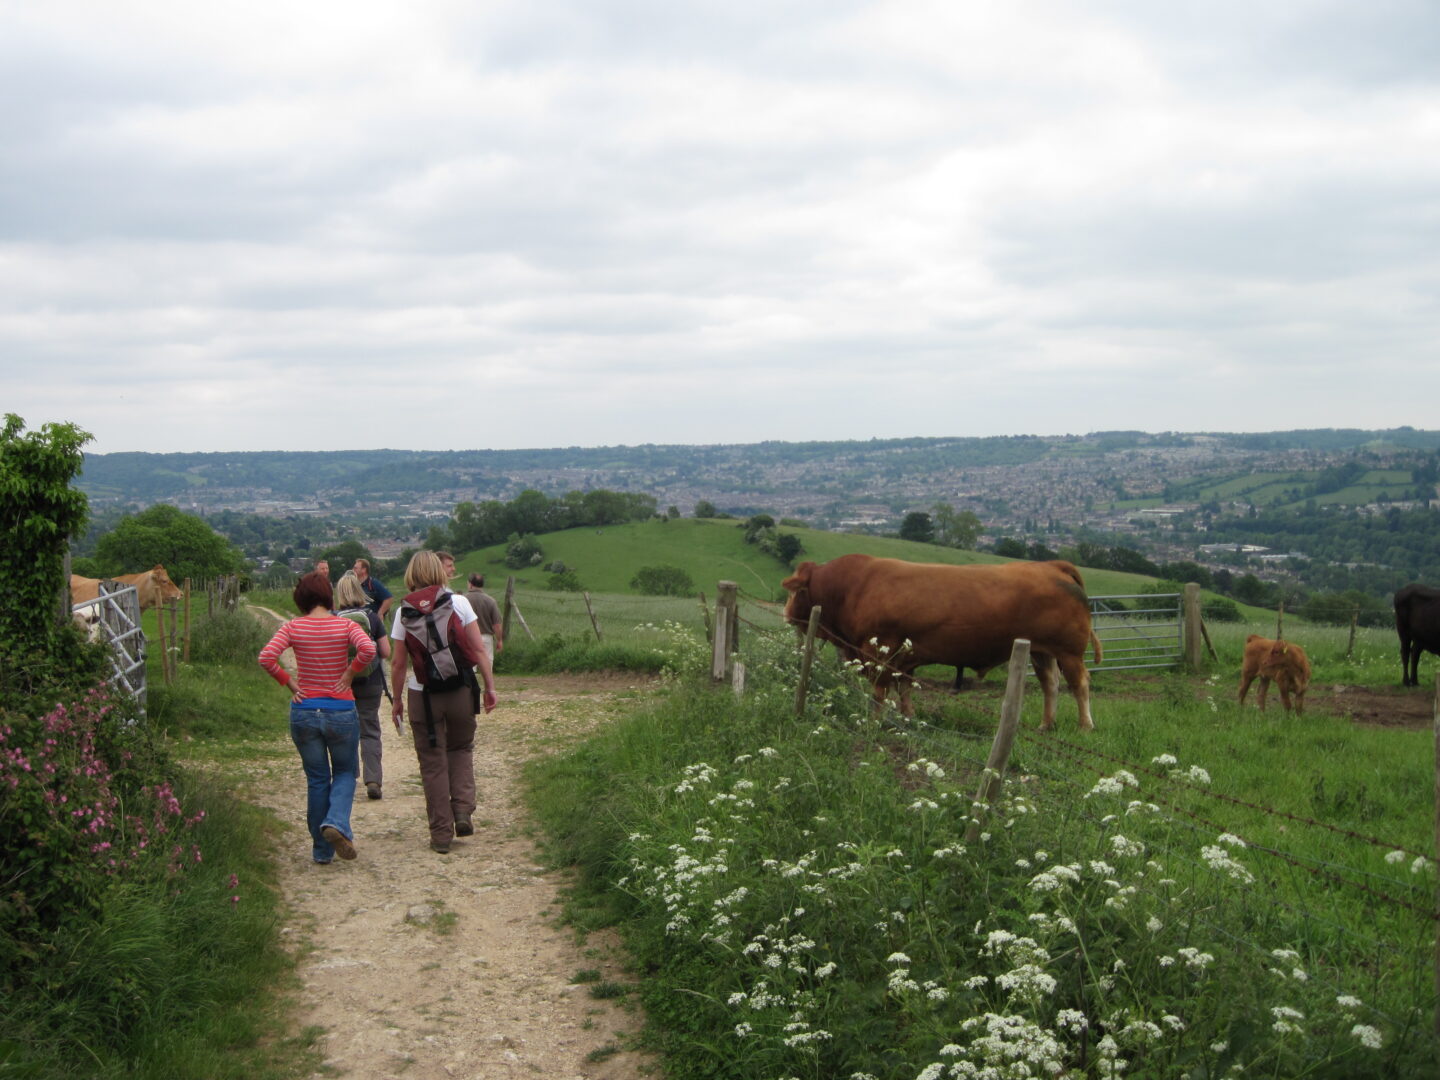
x,y
348,592
425,569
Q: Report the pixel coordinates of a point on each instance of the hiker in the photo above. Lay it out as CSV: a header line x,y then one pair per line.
x,y
323,721
488,612
440,649
378,597
369,685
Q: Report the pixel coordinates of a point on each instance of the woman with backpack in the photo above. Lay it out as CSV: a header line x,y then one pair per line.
x,y
323,722
440,648
352,603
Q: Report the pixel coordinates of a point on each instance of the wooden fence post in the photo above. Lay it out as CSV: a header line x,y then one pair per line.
x,y
1436,723
509,605
164,653
1354,621
994,775
1193,638
709,628
807,658
726,624
1280,621
187,620
593,621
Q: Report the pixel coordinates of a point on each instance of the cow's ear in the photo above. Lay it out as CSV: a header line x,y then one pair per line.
x,y
799,580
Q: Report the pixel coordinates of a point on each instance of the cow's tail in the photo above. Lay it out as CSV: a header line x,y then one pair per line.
x,y
1095,644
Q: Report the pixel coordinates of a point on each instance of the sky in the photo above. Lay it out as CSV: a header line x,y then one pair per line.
x,y
436,224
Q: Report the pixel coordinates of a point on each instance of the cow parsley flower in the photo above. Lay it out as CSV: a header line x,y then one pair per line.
x,y
1395,857
1368,1036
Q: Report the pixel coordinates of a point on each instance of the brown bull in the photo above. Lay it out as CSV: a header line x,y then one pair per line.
x,y
1278,661
153,587
898,615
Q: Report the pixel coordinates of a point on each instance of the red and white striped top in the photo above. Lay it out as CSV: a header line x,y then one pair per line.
x,y
322,648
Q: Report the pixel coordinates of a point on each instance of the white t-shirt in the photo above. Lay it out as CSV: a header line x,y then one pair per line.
x,y
397,631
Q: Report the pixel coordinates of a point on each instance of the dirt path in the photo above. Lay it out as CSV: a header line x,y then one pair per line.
x,y
421,966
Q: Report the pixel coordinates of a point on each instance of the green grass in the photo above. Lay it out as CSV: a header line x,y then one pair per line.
x,y
176,978
798,898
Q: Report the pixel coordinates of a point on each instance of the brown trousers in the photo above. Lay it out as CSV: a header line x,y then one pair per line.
x,y
447,769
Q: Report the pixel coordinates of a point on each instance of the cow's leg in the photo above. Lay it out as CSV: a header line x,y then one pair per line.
x,y
1246,678
1405,677
1300,701
1284,687
1264,689
1078,680
1044,665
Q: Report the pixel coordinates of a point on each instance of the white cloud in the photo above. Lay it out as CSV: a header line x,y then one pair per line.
x,y
624,221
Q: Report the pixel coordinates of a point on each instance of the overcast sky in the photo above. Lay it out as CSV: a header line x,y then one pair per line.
x,y
452,225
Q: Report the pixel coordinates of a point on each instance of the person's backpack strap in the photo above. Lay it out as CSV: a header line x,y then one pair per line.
x,y
362,617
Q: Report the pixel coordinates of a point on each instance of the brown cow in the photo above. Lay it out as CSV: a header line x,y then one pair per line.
x,y
153,587
898,615
1280,661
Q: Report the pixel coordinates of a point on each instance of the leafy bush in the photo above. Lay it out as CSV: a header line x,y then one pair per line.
x,y
663,581
523,551
1221,609
227,637
88,801
565,581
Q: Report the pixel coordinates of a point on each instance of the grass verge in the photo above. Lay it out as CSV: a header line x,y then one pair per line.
x,y
1192,890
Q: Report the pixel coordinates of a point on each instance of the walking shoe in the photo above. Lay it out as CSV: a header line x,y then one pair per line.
x,y
463,826
372,789
440,846
343,847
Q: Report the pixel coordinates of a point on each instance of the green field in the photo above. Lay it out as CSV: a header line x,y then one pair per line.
x,y
714,550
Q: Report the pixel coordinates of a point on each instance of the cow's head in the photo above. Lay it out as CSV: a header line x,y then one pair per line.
x,y
166,589
797,607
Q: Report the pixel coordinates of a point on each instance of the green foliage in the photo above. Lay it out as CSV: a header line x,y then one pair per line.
x,y
163,535
918,527
565,581
704,508
227,637
802,899
956,529
663,581
39,511
556,653
1220,609
342,556
523,552
1009,548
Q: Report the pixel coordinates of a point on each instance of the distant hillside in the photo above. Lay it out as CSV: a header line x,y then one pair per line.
x,y
748,475
606,560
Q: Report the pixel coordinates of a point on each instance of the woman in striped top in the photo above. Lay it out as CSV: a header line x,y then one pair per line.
x,y
323,721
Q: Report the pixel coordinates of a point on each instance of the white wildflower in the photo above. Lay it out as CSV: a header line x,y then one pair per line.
x,y
1368,1036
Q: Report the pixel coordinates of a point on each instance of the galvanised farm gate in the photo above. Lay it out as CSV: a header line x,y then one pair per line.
x,y
1141,630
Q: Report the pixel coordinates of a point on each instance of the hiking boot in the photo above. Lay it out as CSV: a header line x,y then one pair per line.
x,y
441,847
339,841
372,789
463,826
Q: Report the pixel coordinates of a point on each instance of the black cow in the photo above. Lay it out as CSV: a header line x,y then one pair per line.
x,y
1417,621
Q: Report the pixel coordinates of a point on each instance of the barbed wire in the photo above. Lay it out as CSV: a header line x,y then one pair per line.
x,y
1284,856
1191,862
1350,833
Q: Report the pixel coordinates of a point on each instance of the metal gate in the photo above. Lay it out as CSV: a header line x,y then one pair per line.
x,y
116,619
1148,635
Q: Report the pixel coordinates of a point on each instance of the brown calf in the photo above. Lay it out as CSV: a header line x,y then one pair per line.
x,y
1282,661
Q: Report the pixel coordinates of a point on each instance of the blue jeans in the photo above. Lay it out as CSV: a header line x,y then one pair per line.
x,y
329,742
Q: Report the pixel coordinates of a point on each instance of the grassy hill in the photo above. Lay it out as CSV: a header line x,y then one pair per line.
x,y
713,550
